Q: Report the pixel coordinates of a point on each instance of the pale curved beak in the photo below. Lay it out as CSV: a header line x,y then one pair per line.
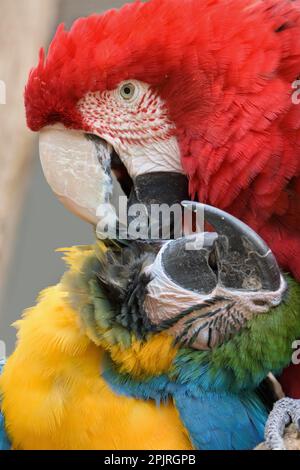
x,y
77,169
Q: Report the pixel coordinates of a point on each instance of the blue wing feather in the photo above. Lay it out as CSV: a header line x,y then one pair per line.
x,y
223,421
4,441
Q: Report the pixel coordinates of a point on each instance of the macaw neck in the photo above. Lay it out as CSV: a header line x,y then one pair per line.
x,y
239,364
246,360
139,357
157,387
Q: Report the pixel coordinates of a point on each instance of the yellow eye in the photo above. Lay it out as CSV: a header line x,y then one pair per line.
x,y
127,91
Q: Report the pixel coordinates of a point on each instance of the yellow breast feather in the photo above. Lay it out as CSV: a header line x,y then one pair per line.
x,y
53,395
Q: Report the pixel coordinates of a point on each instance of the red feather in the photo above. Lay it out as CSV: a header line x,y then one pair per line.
x,y
225,69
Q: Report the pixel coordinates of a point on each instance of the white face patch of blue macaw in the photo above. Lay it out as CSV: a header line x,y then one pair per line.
x,y
195,298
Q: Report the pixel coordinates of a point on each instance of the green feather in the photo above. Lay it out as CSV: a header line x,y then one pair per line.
x,y
86,296
264,346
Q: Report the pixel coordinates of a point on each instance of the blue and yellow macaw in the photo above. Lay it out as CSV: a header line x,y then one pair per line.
x,y
104,361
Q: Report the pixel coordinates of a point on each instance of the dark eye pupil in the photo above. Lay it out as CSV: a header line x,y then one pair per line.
x,y
127,90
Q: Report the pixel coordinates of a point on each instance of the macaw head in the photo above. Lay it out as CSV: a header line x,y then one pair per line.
x,y
159,90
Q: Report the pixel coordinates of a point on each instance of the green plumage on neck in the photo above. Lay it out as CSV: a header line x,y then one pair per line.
x,y
242,363
264,346
87,297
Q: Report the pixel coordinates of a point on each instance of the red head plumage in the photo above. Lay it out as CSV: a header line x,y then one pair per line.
x,y
225,70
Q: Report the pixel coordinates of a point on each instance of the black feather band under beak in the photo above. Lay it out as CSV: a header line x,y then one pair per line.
x,y
121,275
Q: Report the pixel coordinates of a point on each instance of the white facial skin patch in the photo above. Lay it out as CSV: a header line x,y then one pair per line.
x,y
134,120
212,324
71,165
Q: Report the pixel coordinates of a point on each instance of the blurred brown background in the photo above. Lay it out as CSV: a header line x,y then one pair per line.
x,y
32,222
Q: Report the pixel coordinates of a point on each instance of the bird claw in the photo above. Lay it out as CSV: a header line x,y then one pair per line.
x,y
286,411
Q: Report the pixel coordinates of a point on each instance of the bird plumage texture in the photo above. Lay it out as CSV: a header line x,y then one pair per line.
x,y
218,75
225,70
85,379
